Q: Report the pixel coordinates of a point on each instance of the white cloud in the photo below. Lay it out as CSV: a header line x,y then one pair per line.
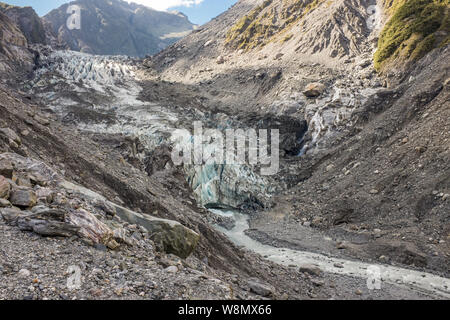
x,y
166,4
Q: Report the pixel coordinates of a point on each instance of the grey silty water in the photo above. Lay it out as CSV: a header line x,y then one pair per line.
x,y
413,279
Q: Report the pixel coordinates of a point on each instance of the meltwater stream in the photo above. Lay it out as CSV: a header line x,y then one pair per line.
x,y
417,280
82,75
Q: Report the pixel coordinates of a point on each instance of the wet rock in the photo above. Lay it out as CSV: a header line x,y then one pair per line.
x,y
23,197
226,222
261,289
311,269
6,168
313,90
5,188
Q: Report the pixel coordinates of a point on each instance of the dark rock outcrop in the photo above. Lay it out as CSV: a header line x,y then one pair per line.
x,y
26,19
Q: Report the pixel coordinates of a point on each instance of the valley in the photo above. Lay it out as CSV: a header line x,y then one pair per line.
x,y
360,198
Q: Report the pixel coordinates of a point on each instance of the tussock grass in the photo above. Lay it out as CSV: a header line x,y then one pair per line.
x,y
415,28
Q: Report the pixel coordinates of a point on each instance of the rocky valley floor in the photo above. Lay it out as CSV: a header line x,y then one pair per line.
x,y
92,205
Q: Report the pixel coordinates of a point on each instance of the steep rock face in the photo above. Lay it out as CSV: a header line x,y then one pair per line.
x,y
13,45
28,22
119,28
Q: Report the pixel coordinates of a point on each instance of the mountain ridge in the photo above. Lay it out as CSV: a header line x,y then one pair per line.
x,y
119,28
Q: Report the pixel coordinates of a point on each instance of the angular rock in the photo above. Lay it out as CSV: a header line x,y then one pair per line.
x,y
6,168
311,269
169,236
46,228
45,194
314,90
259,288
5,188
23,197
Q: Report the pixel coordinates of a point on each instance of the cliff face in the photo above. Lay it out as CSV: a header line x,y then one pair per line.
x,y
13,45
26,19
119,28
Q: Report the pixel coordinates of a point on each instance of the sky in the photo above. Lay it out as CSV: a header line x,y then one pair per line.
x,y
198,11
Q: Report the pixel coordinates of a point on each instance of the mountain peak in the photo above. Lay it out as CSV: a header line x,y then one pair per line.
x,y
116,27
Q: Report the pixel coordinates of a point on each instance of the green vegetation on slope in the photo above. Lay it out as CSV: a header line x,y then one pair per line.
x,y
258,27
414,29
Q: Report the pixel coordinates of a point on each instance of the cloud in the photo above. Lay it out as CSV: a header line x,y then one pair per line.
x,y
166,4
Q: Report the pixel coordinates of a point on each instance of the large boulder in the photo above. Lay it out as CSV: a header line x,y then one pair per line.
x,y
170,236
